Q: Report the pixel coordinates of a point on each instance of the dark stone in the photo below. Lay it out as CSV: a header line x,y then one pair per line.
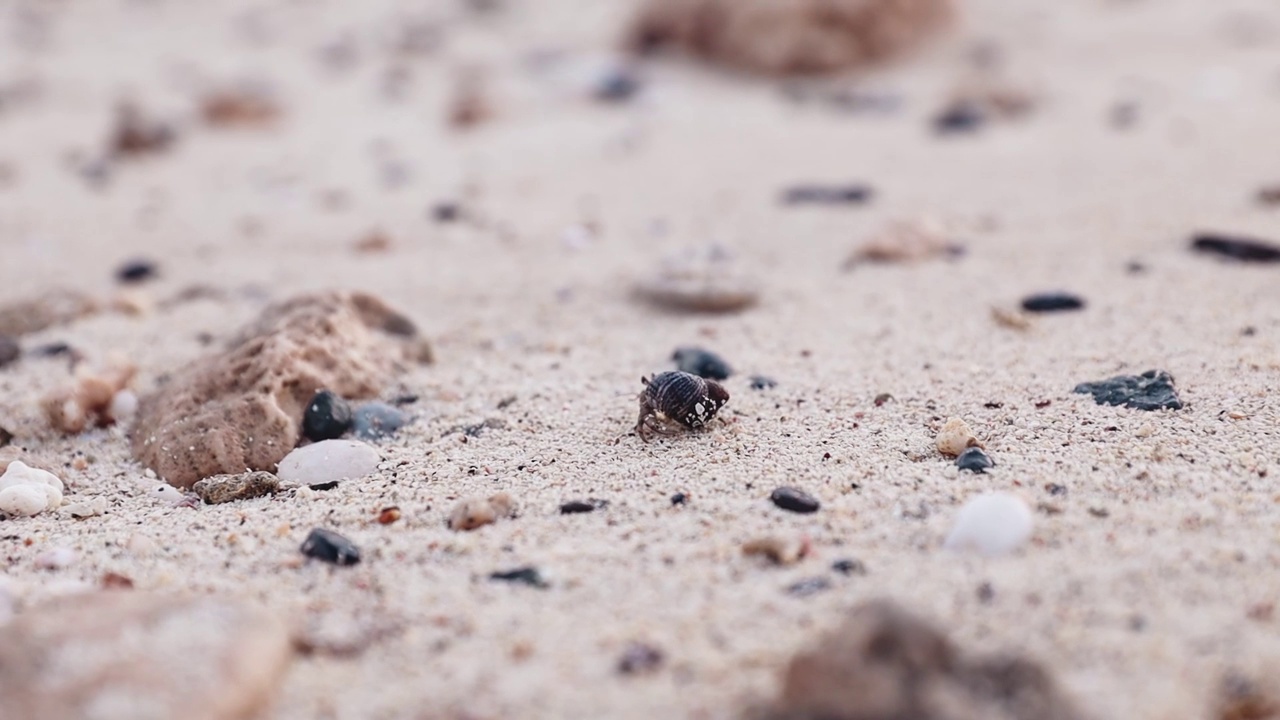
x,y
795,500
375,420
827,195
136,271
330,547
528,575
327,417
574,507
986,593
324,485
1052,302
763,382
881,399
53,349
959,117
703,363
640,658
809,586
9,349
1237,248
401,400
975,459
6,437
1152,390
1055,489
849,566
679,499
617,85
446,212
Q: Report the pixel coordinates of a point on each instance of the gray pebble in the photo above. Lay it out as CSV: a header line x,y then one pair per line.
x,y
377,420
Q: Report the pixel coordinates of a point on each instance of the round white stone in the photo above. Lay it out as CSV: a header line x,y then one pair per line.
x,y
328,461
23,500
20,473
991,524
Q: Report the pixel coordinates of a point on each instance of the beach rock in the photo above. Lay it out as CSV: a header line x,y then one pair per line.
x,y
327,417
23,501
1052,302
528,575
640,658
905,242
242,408
328,461
955,437
789,37
27,491
229,488
54,307
136,271
376,420
975,460
763,382
991,524
701,280
884,663
1152,390
90,400
126,655
330,547
575,507
10,350
1243,249
794,499
471,513
703,363
849,566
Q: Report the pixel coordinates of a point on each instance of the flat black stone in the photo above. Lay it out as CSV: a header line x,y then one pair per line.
x,y
528,575
700,362
809,586
849,566
330,547
9,349
763,382
324,485
960,117
136,271
1052,302
1244,249
855,194
328,416
1152,390
679,499
795,500
976,460
573,507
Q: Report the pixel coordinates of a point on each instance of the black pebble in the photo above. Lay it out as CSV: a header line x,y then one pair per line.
x,y
53,349
330,547
1052,302
849,566
446,212
1152,390
640,658
617,85
9,350
574,507
762,382
1237,248
703,363
795,500
404,399
136,271
327,417
960,117
527,575
975,460
324,485
809,586
6,436
827,194
679,499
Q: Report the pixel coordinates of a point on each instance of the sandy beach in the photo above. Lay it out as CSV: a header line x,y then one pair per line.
x,y
1153,569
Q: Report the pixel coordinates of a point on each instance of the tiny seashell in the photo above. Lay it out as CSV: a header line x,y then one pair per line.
x,y
678,398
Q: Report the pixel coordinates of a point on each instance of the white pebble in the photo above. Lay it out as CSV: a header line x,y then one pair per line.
x,y
991,524
123,405
23,500
328,461
20,473
56,559
87,508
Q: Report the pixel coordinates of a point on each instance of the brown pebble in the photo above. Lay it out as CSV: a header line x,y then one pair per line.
x,y
48,309
239,108
779,551
1012,319
116,581
905,242
471,513
136,135
388,515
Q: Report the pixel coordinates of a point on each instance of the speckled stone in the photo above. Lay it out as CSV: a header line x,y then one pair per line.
x,y
1152,390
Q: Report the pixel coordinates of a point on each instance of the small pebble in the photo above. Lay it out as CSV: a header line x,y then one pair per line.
x,y
777,550
640,658
1152,390
136,271
955,437
388,515
1239,248
679,499
849,566
763,382
330,547
229,488
328,461
10,350
991,524
809,586
960,117
574,507
616,84
56,558
446,212
528,575
124,405
1052,302
975,460
795,500
703,363
328,416
854,194
471,513
376,420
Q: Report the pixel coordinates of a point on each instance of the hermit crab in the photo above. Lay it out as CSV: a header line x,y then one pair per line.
x,y
678,399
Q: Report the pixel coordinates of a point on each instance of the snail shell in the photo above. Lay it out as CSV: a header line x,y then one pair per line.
x,y
681,398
